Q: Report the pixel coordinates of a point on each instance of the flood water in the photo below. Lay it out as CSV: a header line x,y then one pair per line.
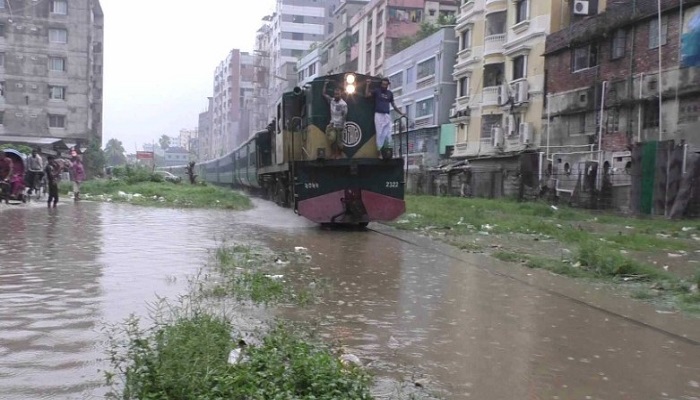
x,y
408,313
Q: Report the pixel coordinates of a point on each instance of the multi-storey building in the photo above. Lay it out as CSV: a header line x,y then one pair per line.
x,y
308,67
500,77
295,26
261,78
618,78
233,80
335,51
51,71
186,138
423,87
378,29
205,142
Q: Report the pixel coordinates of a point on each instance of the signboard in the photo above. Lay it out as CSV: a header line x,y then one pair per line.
x,y
690,38
144,155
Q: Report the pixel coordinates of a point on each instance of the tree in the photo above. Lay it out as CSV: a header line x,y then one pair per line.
x,y
94,159
164,142
114,152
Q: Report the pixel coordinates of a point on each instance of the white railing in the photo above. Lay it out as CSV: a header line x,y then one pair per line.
x,y
494,44
491,96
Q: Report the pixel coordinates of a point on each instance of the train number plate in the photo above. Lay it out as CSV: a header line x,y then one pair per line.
x,y
392,184
311,185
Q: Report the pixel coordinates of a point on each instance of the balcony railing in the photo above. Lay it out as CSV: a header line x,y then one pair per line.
x,y
494,44
491,96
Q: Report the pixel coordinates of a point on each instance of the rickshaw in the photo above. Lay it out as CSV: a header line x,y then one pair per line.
x,y
17,187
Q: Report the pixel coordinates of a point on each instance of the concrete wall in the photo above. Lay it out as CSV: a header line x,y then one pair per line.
x,y
26,75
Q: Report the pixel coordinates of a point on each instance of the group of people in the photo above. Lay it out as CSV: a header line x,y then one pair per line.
x,y
37,168
383,102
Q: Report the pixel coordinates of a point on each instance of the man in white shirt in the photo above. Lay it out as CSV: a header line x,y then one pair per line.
x,y
35,170
339,113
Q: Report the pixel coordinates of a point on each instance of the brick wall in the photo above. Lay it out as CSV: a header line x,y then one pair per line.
x,y
559,62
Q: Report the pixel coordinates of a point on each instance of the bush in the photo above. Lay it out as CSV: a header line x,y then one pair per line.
x,y
136,174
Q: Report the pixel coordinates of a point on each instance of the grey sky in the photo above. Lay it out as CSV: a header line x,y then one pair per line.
x,y
160,57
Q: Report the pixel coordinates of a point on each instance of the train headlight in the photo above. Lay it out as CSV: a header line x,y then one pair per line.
x,y
350,89
350,79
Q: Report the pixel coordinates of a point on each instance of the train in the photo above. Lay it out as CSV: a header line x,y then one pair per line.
x,y
290,161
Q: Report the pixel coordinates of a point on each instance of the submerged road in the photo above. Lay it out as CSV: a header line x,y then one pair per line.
x,y
462,325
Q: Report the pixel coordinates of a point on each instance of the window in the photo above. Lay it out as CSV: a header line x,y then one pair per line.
x,y
654,32
581,123
585,57
57,92
297,36
297,53
619,44
299,19
396,80
2,29
2,88
519,67
410,74
426,69
425,107
57,35
2,58
380,18
312,69
463,87
521,9
2,113
57,64
465,39
651,115
57,121
59,7
369,26
378,51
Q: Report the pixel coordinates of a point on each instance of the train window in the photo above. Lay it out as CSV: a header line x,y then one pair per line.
x,y
279,118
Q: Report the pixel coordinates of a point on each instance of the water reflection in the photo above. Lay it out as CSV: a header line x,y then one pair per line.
x,y
49,301
413,314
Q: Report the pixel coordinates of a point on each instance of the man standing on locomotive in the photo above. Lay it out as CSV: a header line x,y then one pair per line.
x,y
339,113
383,97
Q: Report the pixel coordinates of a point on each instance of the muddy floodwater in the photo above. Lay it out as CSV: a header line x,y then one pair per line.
x,y
413,312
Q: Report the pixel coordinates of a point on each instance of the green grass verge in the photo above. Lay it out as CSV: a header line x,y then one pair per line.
x,y
596,240
162,194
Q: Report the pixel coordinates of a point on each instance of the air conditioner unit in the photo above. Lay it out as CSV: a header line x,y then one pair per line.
x,y
511,125
522,92
497,134
581,7
526,132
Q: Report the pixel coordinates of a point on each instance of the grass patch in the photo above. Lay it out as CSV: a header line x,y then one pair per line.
x,y
187,358
247,274
595,240
162,194
186,352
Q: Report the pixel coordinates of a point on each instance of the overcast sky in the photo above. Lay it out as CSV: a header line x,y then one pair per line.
x,y
160,57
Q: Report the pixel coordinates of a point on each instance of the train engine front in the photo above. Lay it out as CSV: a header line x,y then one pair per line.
x,y
341,181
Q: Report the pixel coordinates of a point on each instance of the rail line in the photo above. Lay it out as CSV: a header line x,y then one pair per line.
x,y
548,291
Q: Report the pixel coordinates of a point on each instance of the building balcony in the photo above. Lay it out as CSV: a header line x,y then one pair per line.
x,y
491,96
494,44
468,11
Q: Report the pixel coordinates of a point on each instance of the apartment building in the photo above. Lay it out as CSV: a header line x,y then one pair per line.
x,y
295,26
378,29
233,83
335,51
500,74
261,75
51,72
619,79
423,86
308,67
205,143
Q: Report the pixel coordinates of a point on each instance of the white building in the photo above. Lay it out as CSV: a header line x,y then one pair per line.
x,y
308,67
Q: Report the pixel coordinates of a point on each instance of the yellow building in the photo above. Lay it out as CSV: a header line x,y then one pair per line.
x,y
500,74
